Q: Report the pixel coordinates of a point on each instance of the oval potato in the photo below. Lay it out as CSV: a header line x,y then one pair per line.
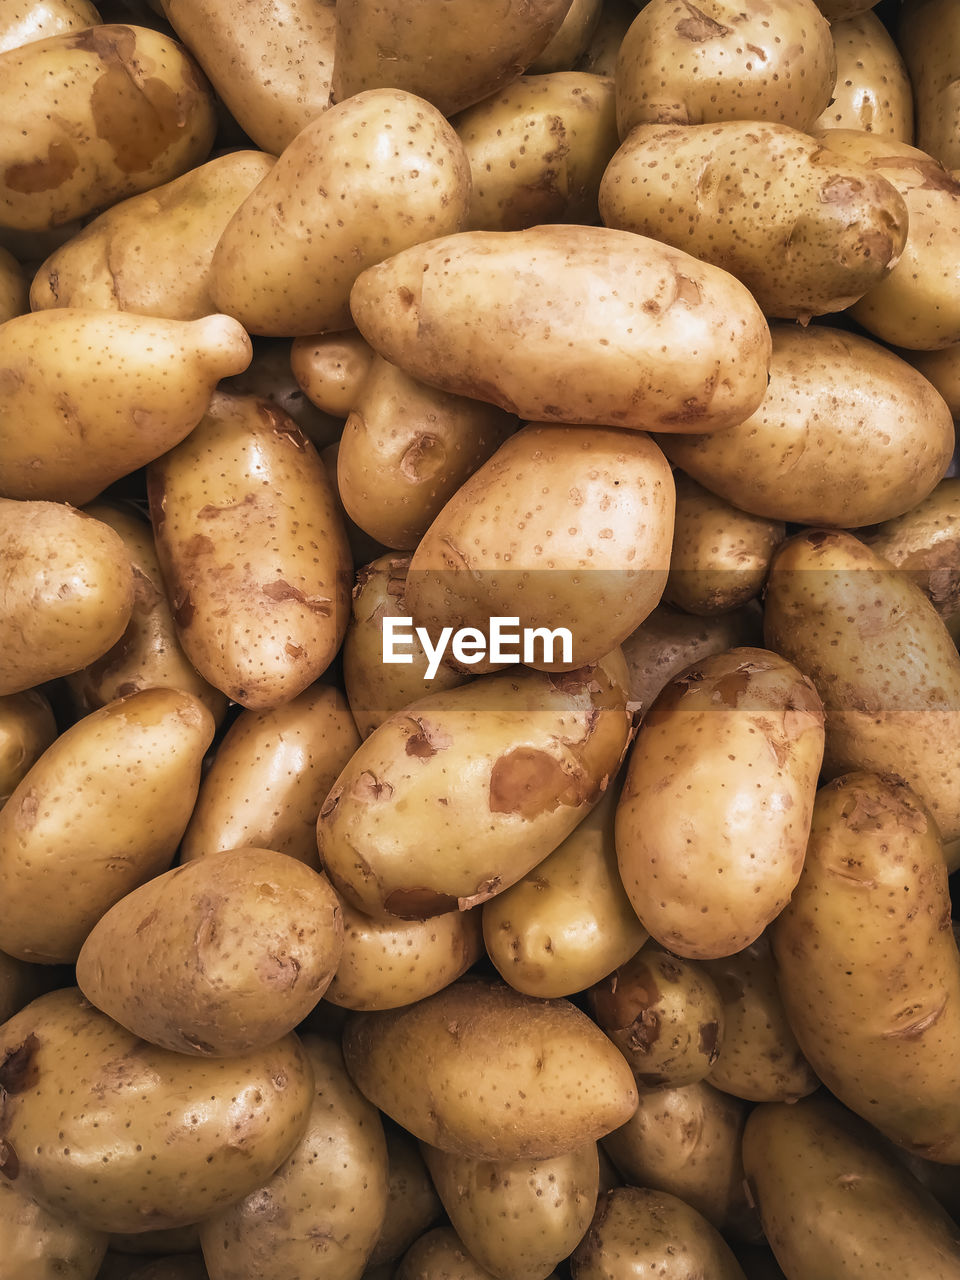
x,y
873,91
331,368
38,1244
27,728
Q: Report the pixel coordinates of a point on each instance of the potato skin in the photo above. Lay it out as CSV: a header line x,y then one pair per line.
x,y
745,729
38,1244
252,550
331,369
150,1138
569,344
928,34
24,21
873,91
554,1083
27,728
440,1255
14,292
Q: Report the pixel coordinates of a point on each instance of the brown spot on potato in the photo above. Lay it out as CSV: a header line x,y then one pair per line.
x,y
210,510
196,1044
27,811
418,904
45,173
18,1070
9,1161
146,922
485,890
841,190
698,28
281,591
368,787
645,1031
688,290
183,610
709,1036
528,782
282,425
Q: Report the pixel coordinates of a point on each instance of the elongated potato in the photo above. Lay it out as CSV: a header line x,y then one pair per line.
x,y
744,728
552,1083
593,326
252,550
22,21
149,1138
38,1244
93,420
132,112
101,811
873,91
455,798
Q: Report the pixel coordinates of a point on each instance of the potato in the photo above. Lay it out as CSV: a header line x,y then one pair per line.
x,y
366,179
759,1058
148,654
734,744
664,1014
839,10
386,964
637,1231
451,53
517,1218
363,548
593,326
834,1202
807,232
600,56
882,660
331,368
270,377
21,982
440,1255
412,1202
27,728
40,1245
720,555
480,1070
131,113
94,420
865,929
873,91
537,150
454,799
271,64
929,37
942,368
68,592
406,449
14,295
568,921
252,550
322,1210
126,1137
112,266
101,811
571,40
771,61
22,21
847,435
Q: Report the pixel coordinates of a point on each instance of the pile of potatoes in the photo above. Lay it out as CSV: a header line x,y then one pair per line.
x,y
631,959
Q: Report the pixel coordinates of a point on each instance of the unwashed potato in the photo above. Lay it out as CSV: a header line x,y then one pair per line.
x,y
769,60
482,1071
252,550
366,179
14,294
22,21
94,419
448,51
848,434
27,728
68,592
413,1205
873,91
593,326
126,1137
271,64
929,38
331,369
101,811
538,149
38,1244
113,264
132,112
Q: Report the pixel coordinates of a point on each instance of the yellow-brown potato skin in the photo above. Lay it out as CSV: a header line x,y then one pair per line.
x,y
38,1244
412,1201
253,552
126,1137
734,745
873,91
441,1255
553,1082
27,728
14,292
572,39
928,34
23,21
593,326
331,368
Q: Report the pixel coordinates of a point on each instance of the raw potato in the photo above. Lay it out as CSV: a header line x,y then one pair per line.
x,y
665,1016
593,326
126,1137
368,178
331,368
454,799
848,434
452,53
406,449
638,1233
68,592
720,555
873,91
270,775
271,64
148,654
769,60
101,811
882,660
270,377
94,420
14,294
538,149
834,1201
132,112
518,1218
734,745
321,1212
868,928
412,1202
572,40
22,21
482,1071
600,55
387,964
568,921
252,550
440,1255
112,265
942,368
561,523
929,38
38,1244
27,728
